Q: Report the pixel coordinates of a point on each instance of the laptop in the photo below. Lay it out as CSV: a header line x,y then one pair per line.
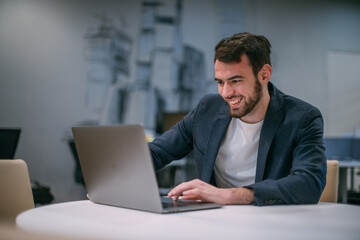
x,y
118,170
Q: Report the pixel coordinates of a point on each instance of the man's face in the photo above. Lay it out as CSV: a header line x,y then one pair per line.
x,y
238,86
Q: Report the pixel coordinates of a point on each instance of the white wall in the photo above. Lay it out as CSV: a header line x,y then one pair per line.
x,y
302,34
43,72
43,83
343,92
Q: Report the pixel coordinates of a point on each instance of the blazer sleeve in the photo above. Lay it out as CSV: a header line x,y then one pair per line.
x,y
307,178
174,144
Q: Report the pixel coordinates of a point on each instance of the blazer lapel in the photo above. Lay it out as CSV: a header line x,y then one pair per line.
x,y
272,121
217,134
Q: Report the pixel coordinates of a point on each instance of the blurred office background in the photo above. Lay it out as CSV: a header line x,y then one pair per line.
x,y
67,63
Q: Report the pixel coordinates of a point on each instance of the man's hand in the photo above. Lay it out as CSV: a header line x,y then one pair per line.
x,y
199,190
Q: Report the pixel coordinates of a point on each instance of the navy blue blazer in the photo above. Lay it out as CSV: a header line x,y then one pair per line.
x,y
291,164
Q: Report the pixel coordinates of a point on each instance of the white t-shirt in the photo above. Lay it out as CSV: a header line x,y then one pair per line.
x,y
235,164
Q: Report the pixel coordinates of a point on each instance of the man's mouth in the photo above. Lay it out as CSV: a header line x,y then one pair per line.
x,y
234,102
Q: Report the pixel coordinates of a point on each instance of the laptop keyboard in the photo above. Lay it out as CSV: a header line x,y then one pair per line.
x,y
169,203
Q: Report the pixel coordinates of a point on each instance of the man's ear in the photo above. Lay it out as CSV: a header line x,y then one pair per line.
x,y
265,73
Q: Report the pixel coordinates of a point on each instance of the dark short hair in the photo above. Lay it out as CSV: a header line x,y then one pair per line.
x,y
256,48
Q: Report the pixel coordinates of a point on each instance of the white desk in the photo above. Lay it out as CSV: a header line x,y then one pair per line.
x,y
87,220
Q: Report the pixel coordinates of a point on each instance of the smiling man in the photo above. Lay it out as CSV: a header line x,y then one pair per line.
x,y
252,143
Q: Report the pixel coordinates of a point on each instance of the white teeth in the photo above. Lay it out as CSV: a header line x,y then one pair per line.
x,y
234,101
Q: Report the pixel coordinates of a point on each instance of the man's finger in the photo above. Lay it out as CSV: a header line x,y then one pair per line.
x,y
179,189
192,194
191,197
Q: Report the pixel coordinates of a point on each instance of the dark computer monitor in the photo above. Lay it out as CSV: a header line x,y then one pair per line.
x,y
356,148
9,138
171,118
338,148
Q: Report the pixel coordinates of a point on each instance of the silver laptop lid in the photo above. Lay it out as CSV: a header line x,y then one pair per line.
x,y
117,166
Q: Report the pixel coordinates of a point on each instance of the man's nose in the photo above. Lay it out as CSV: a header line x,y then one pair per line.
x,y
227,91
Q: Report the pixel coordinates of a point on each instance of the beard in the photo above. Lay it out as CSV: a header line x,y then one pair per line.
x,y
250,102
